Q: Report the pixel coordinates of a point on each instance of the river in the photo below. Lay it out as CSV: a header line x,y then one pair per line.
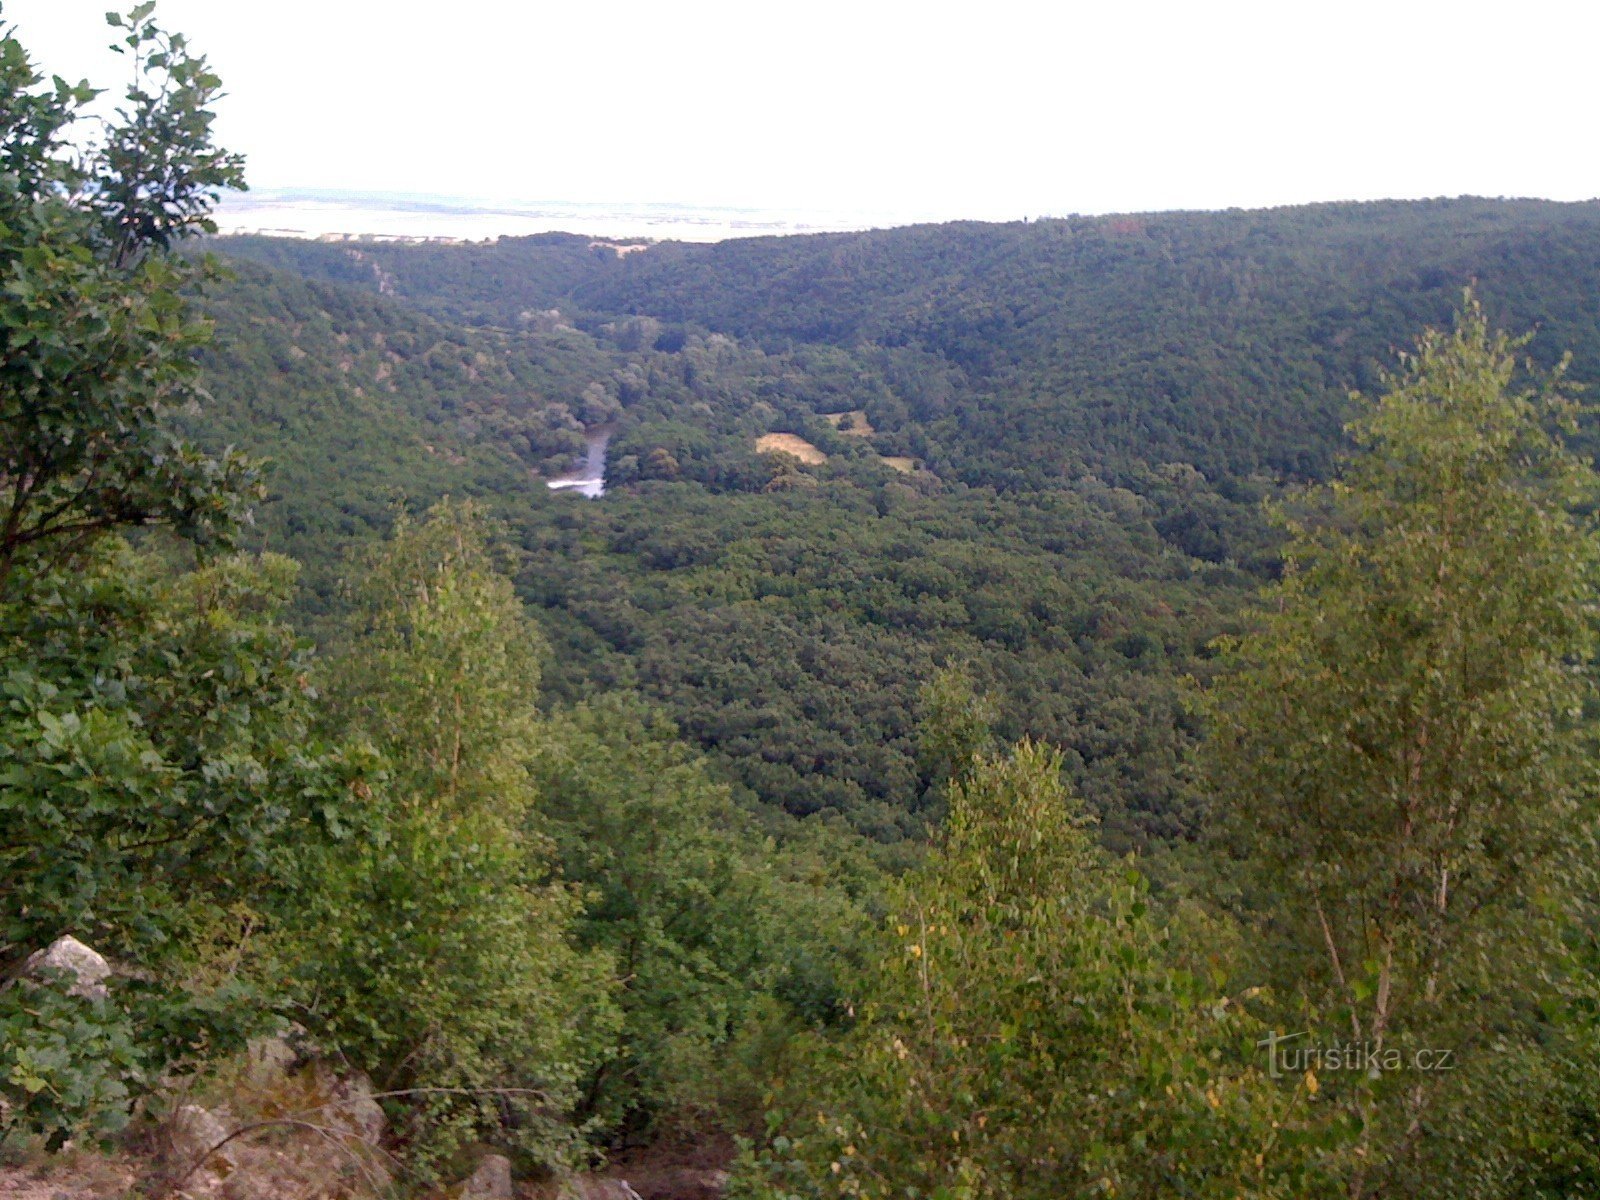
x,y
590,479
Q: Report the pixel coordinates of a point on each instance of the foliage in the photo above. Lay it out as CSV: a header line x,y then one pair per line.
x,y
660,854
96,344
157,173
68,1064
431,949
156,748
561,933
156,753
704,917
957,725
156,760
787,634
1019,354
1401,753
1028,1032
1097,406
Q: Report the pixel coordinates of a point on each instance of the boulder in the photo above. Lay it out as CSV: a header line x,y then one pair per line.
x,y
69,957
349,1102
491,1181
195,1131
268,1059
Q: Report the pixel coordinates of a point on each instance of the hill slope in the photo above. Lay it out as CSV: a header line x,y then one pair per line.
x,y
1224,340
1094,409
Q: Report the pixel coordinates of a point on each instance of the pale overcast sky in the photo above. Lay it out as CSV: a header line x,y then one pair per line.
x,y
993,110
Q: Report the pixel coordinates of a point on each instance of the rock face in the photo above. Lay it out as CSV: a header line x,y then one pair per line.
x,y
342,1101
347,1101
491,1181
337,1151
69,957
194,1132
268,1059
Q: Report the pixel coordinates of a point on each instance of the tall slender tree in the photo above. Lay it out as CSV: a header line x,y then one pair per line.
x,y
434,950
1400,751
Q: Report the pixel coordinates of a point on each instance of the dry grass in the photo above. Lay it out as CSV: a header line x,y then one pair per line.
x,y
73,1174
906,466
791,444
859,425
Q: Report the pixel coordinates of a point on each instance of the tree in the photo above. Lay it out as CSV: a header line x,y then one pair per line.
x,y
434,949
722,937
96,339
156,753
957,725
673,890
1028,1030
1401,752
158,766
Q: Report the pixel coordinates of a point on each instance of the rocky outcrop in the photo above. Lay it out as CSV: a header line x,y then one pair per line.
x,y
491,1181
305,1131
71,959
268,1059
350,1103
196,1135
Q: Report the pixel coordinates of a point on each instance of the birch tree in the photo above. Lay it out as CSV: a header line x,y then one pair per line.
x,y
1401,753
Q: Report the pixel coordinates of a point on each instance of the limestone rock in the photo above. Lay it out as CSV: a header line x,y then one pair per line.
x,y
71,958
268,1059
195,1131
491,1181
265,1175
350,1103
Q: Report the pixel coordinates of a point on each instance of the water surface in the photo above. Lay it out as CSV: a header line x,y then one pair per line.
x,y
590,479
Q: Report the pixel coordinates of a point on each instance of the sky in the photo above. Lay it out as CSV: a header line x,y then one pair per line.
x,y
996,110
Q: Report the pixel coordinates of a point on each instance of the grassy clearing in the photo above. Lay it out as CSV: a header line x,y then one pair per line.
x,y
854,423
792,444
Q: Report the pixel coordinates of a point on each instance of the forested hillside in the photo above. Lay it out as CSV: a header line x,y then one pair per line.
x,y
995,737
374,890
1224,340
786,616
1095,410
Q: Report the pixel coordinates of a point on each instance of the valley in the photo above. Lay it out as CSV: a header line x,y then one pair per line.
x,y
621,701
1082,513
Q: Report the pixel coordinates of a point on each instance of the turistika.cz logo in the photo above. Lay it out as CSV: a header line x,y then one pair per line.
x,y
1288,1055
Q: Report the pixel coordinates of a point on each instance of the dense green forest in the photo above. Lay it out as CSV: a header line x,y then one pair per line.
x,y
785,616
1099,707
1097,409
1020,353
